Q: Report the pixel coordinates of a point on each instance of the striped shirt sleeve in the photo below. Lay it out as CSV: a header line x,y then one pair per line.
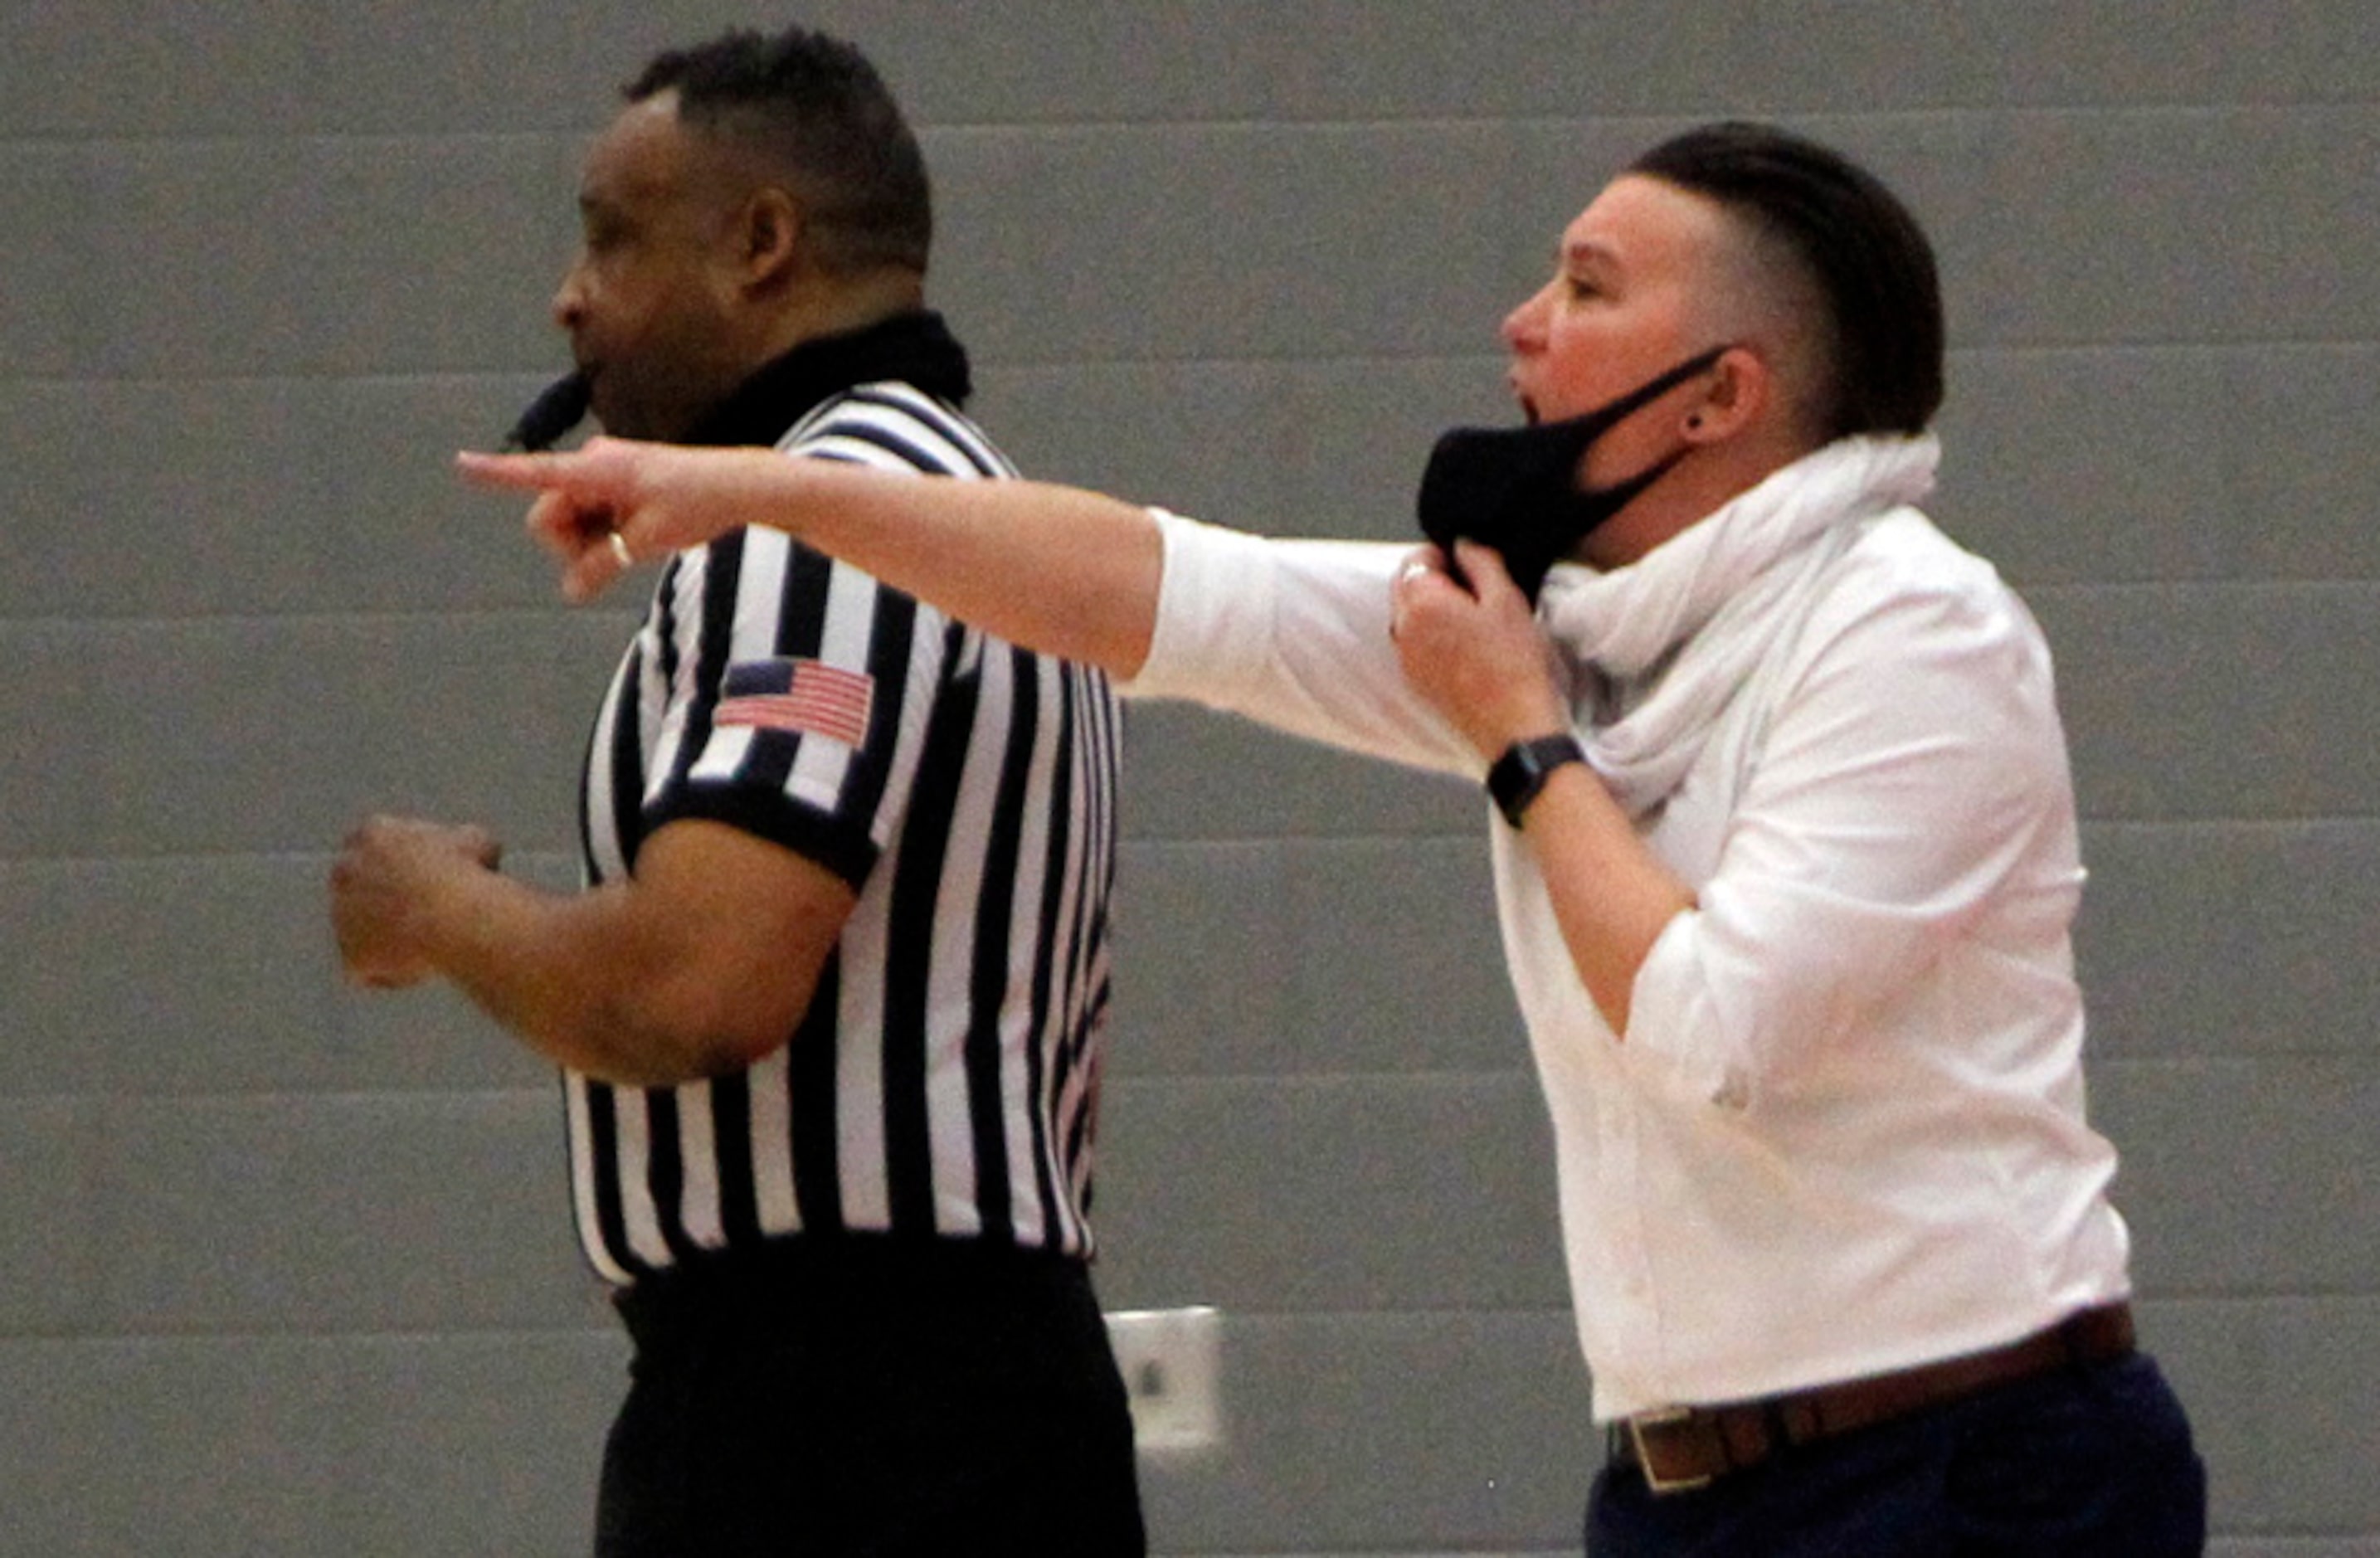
x,y
803,687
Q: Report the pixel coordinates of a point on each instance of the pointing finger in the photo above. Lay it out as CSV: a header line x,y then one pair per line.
x,y
524,472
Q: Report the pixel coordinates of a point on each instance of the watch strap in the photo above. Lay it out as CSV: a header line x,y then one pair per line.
x,y
1514,779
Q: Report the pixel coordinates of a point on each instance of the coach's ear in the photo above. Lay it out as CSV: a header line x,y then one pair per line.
x,y
1735,395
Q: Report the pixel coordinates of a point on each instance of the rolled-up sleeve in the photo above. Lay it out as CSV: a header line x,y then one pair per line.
x,y
1911,795
1294,635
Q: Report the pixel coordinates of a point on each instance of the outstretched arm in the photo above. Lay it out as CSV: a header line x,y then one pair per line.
x,y
1056,569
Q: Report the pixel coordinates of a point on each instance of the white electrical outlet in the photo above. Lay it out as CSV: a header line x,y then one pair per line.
x,y
1170,1361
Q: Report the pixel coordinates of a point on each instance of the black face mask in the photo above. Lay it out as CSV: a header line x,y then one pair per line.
x,y
1516,489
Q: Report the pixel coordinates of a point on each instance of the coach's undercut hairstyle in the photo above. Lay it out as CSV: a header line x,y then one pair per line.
x,y
817,107
1862,250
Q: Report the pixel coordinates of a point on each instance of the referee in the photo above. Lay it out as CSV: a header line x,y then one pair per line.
x,y
831,1007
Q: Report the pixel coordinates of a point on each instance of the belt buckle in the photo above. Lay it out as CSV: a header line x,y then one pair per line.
x,y
1661,1418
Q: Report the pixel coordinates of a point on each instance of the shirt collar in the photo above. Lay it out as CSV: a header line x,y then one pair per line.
x,y
915,347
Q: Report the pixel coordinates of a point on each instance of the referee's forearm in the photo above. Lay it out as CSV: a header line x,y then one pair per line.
x,y
572,978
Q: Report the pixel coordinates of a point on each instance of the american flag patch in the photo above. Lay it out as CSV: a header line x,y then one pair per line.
x,y
810,696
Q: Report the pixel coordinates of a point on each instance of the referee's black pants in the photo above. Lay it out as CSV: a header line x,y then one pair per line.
x,y
862,1395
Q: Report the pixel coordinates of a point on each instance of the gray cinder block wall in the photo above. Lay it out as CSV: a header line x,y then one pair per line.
x,y
286,1270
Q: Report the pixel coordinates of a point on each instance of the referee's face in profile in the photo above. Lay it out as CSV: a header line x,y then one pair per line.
x,y
649,303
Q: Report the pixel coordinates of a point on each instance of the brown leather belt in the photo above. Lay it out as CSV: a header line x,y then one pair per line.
x,y
1685,1448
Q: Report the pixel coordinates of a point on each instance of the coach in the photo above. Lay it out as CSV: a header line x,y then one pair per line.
x,y
831,1007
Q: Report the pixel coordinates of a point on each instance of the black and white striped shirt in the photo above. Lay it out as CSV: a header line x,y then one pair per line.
x,y
945,1077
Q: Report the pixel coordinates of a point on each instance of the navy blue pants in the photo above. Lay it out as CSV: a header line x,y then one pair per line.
x,y
865,1399
2094,1463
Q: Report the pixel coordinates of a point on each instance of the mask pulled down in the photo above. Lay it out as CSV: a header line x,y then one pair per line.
x,y
1516,490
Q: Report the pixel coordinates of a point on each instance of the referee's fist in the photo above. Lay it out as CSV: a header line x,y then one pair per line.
x,y
388,872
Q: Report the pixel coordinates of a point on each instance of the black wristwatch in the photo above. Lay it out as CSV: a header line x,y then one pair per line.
x,y
1516,778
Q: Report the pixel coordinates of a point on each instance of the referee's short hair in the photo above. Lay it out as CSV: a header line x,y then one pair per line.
x,y
819,111
1864,254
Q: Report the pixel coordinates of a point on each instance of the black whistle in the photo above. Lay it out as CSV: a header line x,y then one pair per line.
x,y
558,408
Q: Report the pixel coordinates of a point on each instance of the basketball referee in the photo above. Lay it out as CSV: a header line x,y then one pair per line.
x,y
831,1007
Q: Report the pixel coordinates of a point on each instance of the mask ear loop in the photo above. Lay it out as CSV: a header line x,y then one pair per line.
x,y
1620,495
1636,401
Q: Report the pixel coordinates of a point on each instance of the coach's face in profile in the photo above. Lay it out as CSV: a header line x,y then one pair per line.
x,y
650,302
1627,301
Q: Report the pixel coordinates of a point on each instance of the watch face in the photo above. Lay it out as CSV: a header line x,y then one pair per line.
x,y
1516,777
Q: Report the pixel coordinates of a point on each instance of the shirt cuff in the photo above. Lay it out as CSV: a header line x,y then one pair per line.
x,y
837,845
1214,605
1673,1034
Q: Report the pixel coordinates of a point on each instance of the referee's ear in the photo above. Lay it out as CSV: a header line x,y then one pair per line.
x,y
769,237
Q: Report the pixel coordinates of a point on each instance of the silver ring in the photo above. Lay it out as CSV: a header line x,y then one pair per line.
x,y
620,548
